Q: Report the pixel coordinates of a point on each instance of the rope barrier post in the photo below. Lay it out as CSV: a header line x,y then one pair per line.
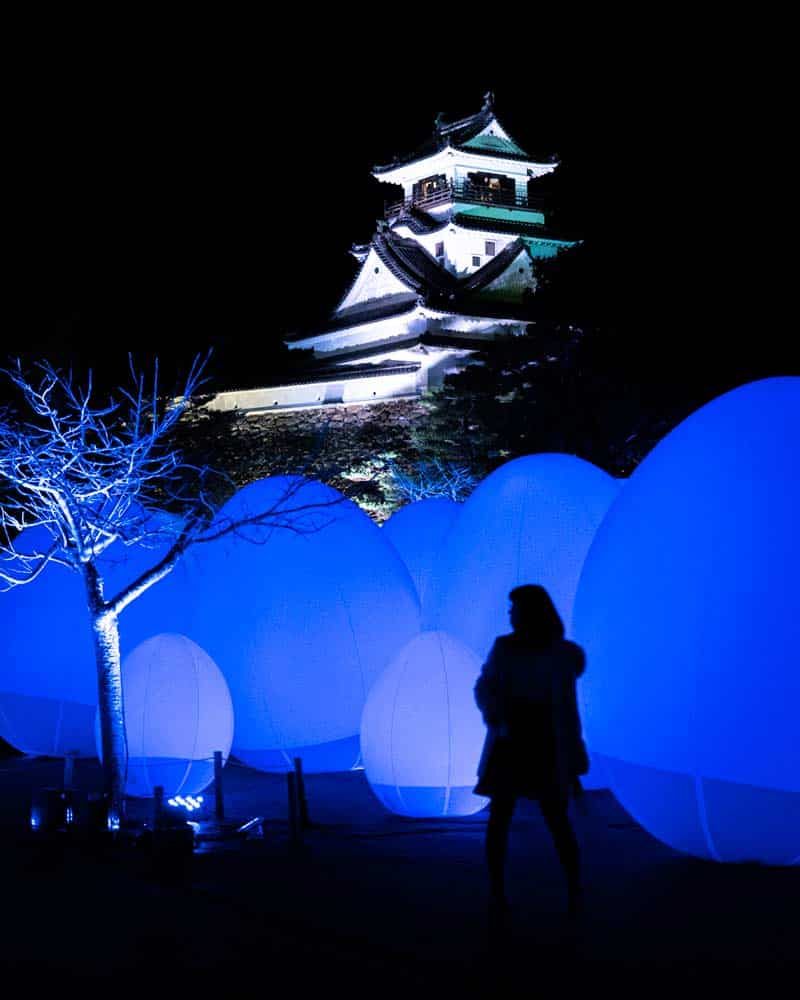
x,y
69,769
219,802
158,806
294,813
305,819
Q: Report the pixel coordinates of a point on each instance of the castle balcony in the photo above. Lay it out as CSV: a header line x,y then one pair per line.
x,y
476,199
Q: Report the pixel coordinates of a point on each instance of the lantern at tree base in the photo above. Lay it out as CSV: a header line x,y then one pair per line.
x,y
421,731
689,611
178,713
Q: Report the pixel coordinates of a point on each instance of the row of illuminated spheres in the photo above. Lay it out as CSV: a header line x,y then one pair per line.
x,y
681,586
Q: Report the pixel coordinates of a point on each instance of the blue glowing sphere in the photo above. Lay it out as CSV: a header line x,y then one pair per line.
x,y
418,532
531,521
421,731
301,622
178,713
689,611
48,676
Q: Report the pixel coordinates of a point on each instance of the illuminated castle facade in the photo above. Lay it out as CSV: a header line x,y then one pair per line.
x,y
450,266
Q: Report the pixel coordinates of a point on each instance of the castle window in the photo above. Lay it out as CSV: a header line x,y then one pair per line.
x,y
490,248
476,262
429,187
493,188
440,249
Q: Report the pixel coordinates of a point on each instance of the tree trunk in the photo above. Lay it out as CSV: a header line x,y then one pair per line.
x,y
105,634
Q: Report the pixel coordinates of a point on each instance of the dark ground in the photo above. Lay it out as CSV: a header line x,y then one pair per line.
x,y
379,905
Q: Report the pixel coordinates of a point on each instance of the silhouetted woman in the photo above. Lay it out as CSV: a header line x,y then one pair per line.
x,y
534,746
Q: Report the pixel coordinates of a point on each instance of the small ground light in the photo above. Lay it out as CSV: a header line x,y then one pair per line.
x,y
188,802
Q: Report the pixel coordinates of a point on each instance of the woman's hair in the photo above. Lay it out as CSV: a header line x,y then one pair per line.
x,y
540,623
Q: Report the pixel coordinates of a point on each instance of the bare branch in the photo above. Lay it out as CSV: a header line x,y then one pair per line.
x,y
92,475
433,479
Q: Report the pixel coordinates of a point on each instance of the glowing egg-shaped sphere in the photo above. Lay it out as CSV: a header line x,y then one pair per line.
x,y
689,611
301,617
421,731
178,713
48,676
418,532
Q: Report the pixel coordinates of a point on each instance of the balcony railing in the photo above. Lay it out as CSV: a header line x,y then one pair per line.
x,y
465,192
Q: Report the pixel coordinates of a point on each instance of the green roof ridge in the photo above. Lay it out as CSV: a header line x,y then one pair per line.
x,y
493,142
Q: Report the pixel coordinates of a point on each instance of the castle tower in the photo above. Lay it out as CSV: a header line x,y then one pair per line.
x,y
450,266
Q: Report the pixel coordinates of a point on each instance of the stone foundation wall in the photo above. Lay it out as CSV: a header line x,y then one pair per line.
x,y
348,446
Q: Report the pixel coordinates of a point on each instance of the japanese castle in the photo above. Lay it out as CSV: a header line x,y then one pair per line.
x,y
450,266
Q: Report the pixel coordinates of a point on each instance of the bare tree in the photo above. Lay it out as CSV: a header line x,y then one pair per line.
x,y
436,478
92,475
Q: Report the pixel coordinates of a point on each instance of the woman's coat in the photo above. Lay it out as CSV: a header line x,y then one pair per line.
x,y
512,671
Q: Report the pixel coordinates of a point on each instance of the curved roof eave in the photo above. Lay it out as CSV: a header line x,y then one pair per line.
x,y
378,172
495,267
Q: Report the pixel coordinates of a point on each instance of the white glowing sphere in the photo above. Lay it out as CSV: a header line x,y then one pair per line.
x,y
689,612
421,731
301,622
178,713
418,532
48,675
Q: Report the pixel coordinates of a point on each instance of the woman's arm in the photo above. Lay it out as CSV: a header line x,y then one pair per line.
x,y
577,657
575,664
487,689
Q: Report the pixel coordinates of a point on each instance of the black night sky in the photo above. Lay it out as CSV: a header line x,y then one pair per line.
x,y
167,200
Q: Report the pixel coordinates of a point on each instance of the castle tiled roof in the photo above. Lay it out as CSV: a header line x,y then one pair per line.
x,y
413,265
416,268
465,134
341,373
429,283
530,229
368,312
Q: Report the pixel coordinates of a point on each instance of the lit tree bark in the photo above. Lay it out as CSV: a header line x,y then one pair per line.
x,y
105,637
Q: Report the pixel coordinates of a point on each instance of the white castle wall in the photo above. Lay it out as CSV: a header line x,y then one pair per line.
x,y
365,389
374,281
460,245
512,283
